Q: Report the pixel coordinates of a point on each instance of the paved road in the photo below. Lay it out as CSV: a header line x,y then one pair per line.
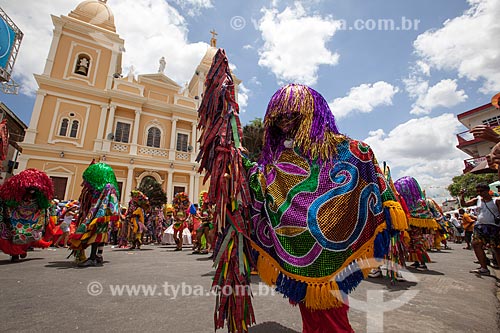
x,y
47,292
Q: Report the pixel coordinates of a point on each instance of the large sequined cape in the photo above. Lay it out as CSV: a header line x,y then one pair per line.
x,y
94,229
317,227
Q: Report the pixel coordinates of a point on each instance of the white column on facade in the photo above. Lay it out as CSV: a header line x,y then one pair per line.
x,y
170,177
23,164
135,132
100,130
196,185
112,68
128,186
52,51
30,135
201,85
109,128
171,152
193,141
192,193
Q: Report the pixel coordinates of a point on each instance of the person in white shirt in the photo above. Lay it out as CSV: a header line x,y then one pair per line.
x,y
487,227
458,228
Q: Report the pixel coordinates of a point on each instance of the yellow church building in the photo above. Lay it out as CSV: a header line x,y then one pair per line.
x,y
142,126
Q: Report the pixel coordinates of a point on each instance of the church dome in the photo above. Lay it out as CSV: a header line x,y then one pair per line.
x,y
95,12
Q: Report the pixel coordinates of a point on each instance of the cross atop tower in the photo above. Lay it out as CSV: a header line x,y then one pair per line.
x,y
213,40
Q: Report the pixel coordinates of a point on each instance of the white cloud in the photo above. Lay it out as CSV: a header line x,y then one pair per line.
x,y
442,94
424,67
364,99
294,43
151,29
255,80
194,7
467,44
159,31
423,148
33,18
243,94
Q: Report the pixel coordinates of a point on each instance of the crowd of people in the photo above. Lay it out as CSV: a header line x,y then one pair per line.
x,y
137,225
29,217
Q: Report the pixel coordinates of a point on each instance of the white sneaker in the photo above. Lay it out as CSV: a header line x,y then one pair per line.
x,y
375,273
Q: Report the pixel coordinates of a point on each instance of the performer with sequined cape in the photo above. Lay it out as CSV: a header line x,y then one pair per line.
x,y
321,208
137,208
204,230
158,219
24,202
420,221
320,205
440,234
98,206
181,206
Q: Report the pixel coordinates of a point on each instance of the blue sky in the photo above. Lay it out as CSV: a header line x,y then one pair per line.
x,y
398,89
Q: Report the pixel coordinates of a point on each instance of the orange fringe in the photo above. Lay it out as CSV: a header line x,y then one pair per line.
x,y
323,292
399,220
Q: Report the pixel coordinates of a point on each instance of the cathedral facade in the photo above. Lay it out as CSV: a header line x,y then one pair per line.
x,y
86,109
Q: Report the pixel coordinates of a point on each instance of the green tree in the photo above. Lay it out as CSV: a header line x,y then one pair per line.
x,y
468,182
152,189
253,138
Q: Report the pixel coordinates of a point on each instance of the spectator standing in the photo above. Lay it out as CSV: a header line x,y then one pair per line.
x,y
468,225
456,222
487,227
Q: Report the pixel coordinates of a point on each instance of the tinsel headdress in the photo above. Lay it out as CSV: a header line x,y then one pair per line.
x,y
15,188
139,198
420,214
181,201
97,175
70,204
203,200
409,188
317,134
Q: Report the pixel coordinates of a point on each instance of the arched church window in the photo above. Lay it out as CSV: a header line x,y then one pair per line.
x,y
82,64
63,130
154,137
74,128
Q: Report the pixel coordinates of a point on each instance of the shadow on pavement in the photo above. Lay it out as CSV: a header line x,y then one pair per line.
x,y
492,275
211,273
66,264
203,257
8,262
425,272
399,285
62,264
270,326
130,250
